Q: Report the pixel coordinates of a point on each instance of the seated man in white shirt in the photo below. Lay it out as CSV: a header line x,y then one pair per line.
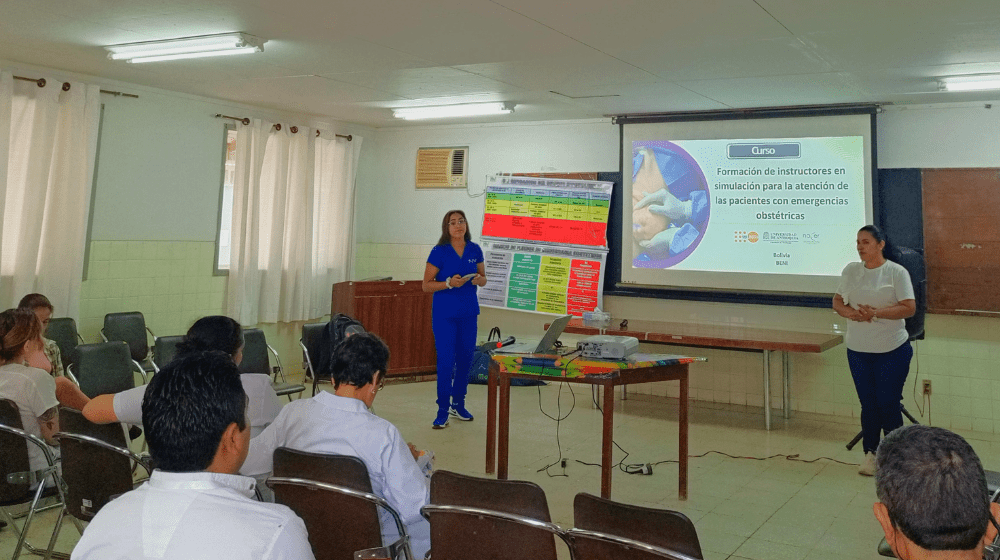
x,y
341,424
195,505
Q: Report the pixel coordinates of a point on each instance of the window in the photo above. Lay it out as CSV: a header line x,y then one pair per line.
x,y
223,243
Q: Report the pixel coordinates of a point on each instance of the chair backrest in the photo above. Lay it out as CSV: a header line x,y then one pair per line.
x,y
312,338
338,525
130,328
93,475
662,528
255,358
165,348
13,454
105,367
63,331
454,536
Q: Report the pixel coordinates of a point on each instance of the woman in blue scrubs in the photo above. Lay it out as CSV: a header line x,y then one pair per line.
x,y
454,269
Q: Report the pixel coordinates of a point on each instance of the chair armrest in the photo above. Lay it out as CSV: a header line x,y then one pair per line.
x,y
104,337
142,372
50,458
278,370
69,375
308,362
105,445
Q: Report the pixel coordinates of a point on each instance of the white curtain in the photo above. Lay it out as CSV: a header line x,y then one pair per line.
x,y
48,143
292,206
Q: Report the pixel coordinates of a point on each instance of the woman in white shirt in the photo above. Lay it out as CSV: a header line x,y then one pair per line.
x,y
24,381
215,332
876,296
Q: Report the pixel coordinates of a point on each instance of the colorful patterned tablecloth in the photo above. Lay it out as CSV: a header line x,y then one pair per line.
x,y
574,365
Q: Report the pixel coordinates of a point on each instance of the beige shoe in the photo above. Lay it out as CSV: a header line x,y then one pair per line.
x,y
868,465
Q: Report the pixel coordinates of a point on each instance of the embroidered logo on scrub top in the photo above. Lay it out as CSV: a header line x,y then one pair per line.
x,y
472,261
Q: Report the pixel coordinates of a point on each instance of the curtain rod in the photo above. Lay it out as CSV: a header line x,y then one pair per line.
x,y
66,86
277,126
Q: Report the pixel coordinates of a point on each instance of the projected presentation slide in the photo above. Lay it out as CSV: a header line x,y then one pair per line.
x,y
570,216
777,206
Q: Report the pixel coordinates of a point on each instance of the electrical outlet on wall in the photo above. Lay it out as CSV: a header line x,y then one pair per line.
x,y
927,386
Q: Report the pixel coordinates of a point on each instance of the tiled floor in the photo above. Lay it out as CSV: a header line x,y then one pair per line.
x,y
773,509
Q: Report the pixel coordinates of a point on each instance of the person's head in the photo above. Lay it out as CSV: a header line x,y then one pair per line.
x,y
19,328
932,493
215,332
360,361
873,245
195,415
454,226
41,306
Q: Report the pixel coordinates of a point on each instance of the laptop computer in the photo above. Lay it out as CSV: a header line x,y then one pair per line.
x,y
542,346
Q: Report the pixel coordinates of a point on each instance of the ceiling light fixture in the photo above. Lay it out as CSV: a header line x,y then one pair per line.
x,y
188,47
445,111
970,83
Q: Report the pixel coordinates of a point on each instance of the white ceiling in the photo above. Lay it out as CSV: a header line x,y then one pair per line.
x,y
353,61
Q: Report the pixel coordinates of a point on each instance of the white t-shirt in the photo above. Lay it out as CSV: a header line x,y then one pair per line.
x,y
262,409
879,287
34,392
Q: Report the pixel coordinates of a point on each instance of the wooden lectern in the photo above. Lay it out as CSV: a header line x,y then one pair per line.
x,y
400,314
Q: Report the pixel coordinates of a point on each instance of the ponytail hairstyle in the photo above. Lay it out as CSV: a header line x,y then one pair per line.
x,y
889,250
215,332
17,328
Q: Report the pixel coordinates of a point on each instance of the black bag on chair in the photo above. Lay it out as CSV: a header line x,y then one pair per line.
x,y
334,333
479,373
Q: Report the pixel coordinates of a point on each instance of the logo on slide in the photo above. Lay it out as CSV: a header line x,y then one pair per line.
x,y
752,237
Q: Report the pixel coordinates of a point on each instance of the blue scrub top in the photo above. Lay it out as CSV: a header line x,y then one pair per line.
x,y
455,302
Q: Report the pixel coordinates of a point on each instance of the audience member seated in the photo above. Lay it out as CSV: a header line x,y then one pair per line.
x,y
933,500
195,505
214,332
36,394
341,423
43,309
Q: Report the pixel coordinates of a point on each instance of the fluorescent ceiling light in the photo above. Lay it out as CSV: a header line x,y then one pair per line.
x,y
188,47
970,83
445,111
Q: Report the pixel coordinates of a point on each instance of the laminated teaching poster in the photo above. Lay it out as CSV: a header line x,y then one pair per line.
x,y
545,244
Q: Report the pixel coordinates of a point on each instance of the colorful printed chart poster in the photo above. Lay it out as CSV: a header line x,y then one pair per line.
x,y
546,279
545,243
572,213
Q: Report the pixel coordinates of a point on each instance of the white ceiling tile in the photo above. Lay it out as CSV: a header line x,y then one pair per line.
x,y
774,91
563,74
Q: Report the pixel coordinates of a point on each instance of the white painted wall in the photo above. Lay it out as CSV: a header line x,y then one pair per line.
x,y
928,136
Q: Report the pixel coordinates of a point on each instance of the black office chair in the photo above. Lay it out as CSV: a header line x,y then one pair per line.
x,y
255,360
164,350
63,331
333,496
130,328
106,367
97,465
16,479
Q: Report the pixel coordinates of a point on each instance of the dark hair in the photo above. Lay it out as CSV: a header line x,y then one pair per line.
x,y
445,234
187,407
357,359
888,250
17,327
933,486
34,301
215,332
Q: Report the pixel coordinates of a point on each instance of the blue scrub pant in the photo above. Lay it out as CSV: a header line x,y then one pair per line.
x,y
879,379
455,342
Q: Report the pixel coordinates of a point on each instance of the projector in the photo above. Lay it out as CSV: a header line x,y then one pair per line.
x,y
607,346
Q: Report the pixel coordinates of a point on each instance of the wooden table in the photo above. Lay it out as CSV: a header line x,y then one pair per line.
x,y
747,339
606,374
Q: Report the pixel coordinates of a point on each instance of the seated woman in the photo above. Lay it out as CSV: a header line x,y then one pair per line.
x,y
36,393
43,309
215,332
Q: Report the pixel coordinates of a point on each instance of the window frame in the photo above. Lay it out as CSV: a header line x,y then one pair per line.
x,y
216,269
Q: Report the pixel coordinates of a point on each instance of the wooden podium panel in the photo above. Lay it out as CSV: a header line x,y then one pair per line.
x,y
400,314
